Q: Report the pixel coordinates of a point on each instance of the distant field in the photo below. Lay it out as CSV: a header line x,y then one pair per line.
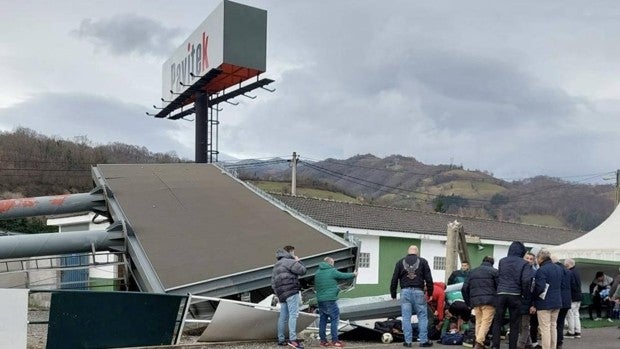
x,y
545,220
285,188
467,189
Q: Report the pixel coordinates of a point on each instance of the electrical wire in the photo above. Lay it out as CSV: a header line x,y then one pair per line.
x,y
472,202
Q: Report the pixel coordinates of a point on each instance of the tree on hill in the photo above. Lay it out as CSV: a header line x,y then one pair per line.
x,y
36,165
32,164
407,183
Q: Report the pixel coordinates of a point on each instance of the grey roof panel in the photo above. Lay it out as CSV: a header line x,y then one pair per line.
x,y
342,214
196,223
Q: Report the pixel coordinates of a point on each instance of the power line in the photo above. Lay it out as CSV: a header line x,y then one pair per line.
x,y
545,189
379,186
364,183
375,168
45,169
255,164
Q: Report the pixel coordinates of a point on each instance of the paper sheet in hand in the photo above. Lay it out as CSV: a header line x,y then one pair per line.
x,y
544,293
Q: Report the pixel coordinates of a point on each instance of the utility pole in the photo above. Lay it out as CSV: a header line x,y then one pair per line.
x,y
451,248
456,247
294,174
617,187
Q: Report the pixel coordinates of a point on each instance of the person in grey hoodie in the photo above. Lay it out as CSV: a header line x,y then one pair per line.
x,y
514,281
286,286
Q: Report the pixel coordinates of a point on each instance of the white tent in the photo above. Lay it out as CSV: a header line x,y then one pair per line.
x,y
600,245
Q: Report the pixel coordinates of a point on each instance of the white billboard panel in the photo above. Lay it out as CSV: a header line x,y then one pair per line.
x,y
14,318
233,34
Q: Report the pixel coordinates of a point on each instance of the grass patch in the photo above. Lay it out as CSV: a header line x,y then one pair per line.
x,y
545,220
587,323
285,188
466,189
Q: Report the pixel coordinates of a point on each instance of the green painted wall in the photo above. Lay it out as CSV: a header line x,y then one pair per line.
x,y
476,255
101,284
390,251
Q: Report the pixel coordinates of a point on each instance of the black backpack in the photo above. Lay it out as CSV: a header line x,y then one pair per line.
x,y
389,326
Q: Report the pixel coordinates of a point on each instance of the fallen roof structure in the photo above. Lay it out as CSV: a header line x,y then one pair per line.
x,y
194,228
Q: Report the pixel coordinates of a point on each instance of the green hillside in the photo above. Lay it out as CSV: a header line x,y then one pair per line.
x,y
285,188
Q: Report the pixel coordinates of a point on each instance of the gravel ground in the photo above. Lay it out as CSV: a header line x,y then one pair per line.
x,y
600,338
37,334
37,338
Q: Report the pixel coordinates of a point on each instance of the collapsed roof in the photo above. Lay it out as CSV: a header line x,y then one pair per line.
x,y
193,228
182,228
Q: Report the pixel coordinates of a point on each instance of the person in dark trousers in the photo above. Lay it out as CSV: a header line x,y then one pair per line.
x,y
286,286
413,274
574,322
525,331
565,293
479,291
600,284
514,282
459,276
547,298
326,287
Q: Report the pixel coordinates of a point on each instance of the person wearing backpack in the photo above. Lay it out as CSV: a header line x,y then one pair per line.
x,y
413,274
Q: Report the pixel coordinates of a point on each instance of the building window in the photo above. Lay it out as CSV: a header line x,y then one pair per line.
x,y
439,263
364,260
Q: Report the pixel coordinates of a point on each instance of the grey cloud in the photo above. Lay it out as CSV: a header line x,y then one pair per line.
x,y
129,33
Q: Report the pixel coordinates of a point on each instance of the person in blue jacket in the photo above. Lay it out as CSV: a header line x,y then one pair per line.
x,y
547,298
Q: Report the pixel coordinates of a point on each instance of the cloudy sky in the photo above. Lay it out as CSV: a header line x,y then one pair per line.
x,y
515,88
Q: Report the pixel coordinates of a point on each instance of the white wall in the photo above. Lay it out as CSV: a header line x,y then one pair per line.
x,y
499,252
428,250
370,244
14,318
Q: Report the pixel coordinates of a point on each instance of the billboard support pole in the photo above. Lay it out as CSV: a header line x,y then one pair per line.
x,y
201,106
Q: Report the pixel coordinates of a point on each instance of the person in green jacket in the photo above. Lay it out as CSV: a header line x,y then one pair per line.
x,y
326,287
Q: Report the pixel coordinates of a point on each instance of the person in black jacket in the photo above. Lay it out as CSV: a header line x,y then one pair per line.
x,y
479,291
572,317
414,274
460,275
513,283
528,331
286,286
565,293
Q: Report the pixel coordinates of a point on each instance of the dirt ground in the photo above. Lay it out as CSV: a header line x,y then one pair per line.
x,y
599,338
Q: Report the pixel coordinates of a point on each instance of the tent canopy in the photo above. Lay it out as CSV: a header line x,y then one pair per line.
x,y
602,244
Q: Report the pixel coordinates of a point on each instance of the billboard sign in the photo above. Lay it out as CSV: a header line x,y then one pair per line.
x,y
233,39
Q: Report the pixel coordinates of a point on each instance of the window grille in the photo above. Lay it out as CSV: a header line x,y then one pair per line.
x,y
364,260
439,263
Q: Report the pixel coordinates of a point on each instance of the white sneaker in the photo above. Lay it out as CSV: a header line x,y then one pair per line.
x,y
609,319
598,319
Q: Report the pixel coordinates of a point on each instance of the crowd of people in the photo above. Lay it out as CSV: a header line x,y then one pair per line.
x,y
530,292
